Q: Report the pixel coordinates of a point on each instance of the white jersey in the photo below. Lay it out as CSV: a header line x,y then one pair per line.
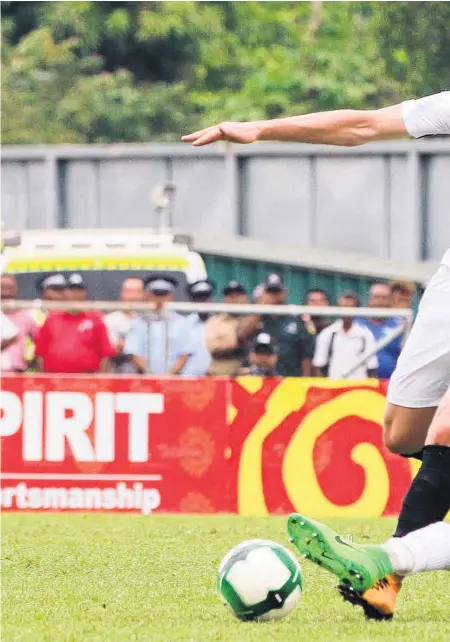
x,y
429,116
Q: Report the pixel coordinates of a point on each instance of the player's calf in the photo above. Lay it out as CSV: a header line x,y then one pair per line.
x,y
439,431
406,429
428,498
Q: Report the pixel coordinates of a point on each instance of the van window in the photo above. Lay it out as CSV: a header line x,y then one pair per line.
x,y
102,285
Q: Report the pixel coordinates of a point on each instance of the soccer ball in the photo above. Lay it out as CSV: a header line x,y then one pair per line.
x,y
260,580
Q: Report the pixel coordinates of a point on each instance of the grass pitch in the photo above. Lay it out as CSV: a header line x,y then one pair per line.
x,y
76,578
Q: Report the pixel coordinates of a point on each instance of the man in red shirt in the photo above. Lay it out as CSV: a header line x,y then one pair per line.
x,y
73,342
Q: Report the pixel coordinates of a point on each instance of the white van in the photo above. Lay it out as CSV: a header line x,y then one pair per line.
x,y
104,258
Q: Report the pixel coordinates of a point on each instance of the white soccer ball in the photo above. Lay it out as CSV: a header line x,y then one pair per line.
x,y
260,580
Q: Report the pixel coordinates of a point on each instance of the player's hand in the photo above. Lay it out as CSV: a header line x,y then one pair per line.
x,y
232,132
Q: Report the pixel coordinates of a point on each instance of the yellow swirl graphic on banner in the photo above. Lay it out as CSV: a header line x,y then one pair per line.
x,y
286,398
289,396
299,474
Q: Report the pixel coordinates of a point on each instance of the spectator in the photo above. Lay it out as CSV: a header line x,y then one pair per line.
x,y
8,333
200,360
201,292
258,293
234,292
50,287
13,358
263,357
319,298
296,344
119,324
77,288
380,296
225,344
160,342
342,344
73,341
402,293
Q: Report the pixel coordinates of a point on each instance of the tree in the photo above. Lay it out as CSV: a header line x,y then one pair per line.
x,y
414,39
129,71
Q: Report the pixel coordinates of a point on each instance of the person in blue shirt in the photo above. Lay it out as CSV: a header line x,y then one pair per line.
x,y
200,360
380,296
160,342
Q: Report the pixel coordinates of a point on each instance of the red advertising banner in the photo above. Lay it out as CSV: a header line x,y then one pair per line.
x,y
119,444
313,446
252,446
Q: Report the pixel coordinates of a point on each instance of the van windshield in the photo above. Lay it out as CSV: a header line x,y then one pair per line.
x,y
102,285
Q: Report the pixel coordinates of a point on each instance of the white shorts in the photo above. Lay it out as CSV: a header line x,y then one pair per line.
x,y
422,376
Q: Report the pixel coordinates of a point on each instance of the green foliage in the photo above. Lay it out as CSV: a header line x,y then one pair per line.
x,y
131,71
421,59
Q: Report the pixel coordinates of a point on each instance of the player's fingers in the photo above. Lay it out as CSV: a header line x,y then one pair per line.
x,y
189,138
210,136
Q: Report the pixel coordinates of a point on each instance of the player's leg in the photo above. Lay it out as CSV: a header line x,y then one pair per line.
x,y
439,431
422,375
427,549
406,429
421,380
425,505
348,561
370,571
428,498
416,388
358,569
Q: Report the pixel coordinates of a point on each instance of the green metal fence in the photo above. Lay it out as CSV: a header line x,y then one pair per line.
x,y
298,280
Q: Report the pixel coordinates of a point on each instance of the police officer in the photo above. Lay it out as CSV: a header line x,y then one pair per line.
x,y
295,343
160,342
263,356
234,292
199,292
76,288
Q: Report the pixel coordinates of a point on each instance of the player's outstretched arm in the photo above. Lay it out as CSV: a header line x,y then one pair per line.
x,y
342,127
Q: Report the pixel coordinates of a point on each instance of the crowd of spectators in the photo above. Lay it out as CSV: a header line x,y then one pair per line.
x,y
163,342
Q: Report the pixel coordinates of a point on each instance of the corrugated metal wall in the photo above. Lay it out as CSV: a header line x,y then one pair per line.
x,y
385,200
298,280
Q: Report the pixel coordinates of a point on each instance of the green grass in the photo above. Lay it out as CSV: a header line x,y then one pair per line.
x,y
131,578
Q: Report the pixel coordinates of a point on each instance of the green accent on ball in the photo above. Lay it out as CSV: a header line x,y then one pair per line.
x,y
245,612
275,599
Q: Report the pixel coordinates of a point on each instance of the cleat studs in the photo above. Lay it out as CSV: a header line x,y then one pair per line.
x,y
302,523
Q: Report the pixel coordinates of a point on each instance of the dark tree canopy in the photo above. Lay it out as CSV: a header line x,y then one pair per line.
x,y
139,71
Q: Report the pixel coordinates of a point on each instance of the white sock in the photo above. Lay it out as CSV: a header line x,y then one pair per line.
x,y
427,549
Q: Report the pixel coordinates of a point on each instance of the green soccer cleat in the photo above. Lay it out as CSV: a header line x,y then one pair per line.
x,y
357,567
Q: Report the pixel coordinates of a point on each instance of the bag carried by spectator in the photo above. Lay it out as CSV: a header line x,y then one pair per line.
x,y
221,335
